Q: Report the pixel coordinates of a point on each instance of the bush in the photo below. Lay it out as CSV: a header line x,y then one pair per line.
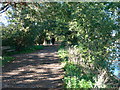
x,y
85,84
62,54
84,72
75,78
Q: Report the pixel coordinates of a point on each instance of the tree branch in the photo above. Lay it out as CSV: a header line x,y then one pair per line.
x,y
4,8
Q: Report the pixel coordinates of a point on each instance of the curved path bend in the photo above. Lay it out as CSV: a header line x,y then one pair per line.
x,y
41,69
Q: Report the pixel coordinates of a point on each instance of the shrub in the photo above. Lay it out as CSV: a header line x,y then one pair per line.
x,y
75,77
63,53
84,71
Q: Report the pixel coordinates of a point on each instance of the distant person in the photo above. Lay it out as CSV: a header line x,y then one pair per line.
x,y
53,40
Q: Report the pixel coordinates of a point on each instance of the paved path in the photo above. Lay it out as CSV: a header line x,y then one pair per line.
x,y
41,69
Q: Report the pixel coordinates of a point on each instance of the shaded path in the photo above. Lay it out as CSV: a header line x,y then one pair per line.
x,y
41,69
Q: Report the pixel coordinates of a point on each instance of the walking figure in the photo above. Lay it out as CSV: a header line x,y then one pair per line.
x,y
53,40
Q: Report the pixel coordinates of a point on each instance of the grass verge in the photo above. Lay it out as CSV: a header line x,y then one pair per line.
x,y
25,50
6,59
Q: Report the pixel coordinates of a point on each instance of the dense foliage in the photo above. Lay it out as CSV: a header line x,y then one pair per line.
x,y
85,29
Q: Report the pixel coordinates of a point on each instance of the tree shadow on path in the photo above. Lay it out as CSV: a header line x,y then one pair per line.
x,y
41,69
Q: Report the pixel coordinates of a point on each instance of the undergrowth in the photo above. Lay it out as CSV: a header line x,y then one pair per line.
x,y
82,74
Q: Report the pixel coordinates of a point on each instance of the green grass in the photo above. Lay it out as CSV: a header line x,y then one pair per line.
x,y
6,59
7,56
25,50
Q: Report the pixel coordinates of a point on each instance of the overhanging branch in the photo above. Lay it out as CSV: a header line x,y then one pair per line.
x,y
4,8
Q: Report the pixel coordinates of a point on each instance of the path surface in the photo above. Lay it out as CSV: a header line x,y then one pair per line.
x,y
41,69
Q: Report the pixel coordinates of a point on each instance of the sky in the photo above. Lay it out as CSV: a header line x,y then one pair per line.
x,y
3,17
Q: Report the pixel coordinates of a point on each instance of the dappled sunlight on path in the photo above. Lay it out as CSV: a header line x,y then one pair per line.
x,y
39,69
